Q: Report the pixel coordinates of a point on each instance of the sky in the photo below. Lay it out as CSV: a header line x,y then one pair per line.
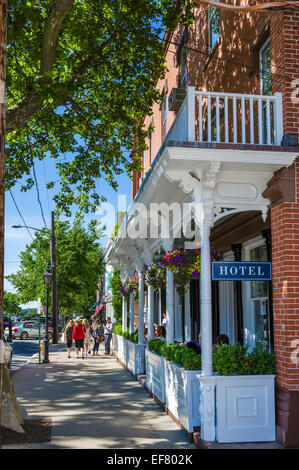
x,y
27,202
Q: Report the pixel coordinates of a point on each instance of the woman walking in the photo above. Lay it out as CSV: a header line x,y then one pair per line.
x,y
86,325
79,335
69,336
97,333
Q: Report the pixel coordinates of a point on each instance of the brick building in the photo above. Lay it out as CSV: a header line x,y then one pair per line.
x,y
225,135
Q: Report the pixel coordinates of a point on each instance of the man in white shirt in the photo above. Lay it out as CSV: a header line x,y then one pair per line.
x,y
108,335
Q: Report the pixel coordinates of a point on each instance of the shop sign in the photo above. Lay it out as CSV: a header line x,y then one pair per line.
x,y
241,271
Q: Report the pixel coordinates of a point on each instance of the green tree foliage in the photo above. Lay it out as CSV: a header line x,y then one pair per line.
x,y
11,305
81,76
116,286
79,265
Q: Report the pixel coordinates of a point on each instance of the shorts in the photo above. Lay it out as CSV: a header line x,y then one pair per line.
x,y
79,343
69,343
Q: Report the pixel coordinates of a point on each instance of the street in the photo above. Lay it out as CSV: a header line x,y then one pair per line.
x,y
22,352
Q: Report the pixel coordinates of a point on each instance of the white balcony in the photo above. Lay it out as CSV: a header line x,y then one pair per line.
x,y
228,118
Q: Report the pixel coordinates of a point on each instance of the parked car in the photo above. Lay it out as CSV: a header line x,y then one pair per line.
x,y
27,330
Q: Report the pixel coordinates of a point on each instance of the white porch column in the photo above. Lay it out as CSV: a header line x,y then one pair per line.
x,y
206,299
141,307
131,312
169,307
150,314
188,328
124,314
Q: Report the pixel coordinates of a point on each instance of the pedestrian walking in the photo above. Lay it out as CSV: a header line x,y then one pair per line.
x,y
98,336
86,325
79,335
108,335
69,336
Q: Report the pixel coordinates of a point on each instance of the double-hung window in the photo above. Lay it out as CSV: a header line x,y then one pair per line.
x,y
214,26
183,68
164,116
266,87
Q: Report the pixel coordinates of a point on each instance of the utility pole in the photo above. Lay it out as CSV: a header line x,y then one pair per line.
x,y
54,282
3,18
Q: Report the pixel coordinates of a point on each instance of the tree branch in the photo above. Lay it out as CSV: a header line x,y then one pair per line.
x,y
18,115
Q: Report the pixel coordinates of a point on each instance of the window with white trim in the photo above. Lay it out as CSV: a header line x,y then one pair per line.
x,y
214,26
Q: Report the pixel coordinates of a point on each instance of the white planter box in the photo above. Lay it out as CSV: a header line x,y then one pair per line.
x,y
114,343
130,354
183,394
155,374
245,408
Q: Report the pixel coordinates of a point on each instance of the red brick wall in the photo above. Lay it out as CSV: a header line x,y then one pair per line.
x,y
285,267
231,67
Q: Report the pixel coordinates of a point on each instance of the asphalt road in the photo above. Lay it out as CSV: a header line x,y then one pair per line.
x,y
23,350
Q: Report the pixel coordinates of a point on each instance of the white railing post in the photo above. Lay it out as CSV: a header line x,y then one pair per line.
x,y
131,312
191,113
278,117
141,307
150,314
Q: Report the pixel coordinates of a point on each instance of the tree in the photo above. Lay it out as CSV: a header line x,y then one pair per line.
x,y
79,265
117,297
81,77
11,305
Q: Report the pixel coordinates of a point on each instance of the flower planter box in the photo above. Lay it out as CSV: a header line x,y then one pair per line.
x,y
155,374
114,343
245,408
130,355
182,389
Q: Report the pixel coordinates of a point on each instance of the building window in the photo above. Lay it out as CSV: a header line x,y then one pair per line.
x,y
164,116
265,69
214,26
151,144
266,88
183,68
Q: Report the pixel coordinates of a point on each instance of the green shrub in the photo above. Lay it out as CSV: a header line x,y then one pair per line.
x,y
235,359
126,334
156,345
261,361
117,329
134,337
177,353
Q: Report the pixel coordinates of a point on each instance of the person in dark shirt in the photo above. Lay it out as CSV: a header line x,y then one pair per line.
x,y
196,345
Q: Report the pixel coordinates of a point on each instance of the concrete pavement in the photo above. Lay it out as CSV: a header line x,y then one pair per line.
x,y
93,404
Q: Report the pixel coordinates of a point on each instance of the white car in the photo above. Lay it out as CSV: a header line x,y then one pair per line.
x,y
27,330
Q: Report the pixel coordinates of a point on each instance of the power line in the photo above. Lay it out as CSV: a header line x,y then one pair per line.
x,y
44,166
275,80
38,195
10,191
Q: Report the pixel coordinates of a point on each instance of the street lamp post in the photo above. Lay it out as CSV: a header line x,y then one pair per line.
x,y
47,281
54,278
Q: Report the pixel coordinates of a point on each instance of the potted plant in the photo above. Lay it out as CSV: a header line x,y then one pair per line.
x,y
172,373
245,409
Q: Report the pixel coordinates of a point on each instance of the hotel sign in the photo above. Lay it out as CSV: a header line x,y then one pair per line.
x,y
241,271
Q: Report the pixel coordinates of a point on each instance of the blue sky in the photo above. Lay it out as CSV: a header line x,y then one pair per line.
x,y
16,239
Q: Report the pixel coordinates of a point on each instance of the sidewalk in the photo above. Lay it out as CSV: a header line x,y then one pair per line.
x,y
92,404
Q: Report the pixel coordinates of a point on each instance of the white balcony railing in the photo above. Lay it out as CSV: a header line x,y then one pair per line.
x,y
228,118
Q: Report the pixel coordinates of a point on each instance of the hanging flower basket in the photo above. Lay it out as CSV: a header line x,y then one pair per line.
x,y
130,285
155,276
185,265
